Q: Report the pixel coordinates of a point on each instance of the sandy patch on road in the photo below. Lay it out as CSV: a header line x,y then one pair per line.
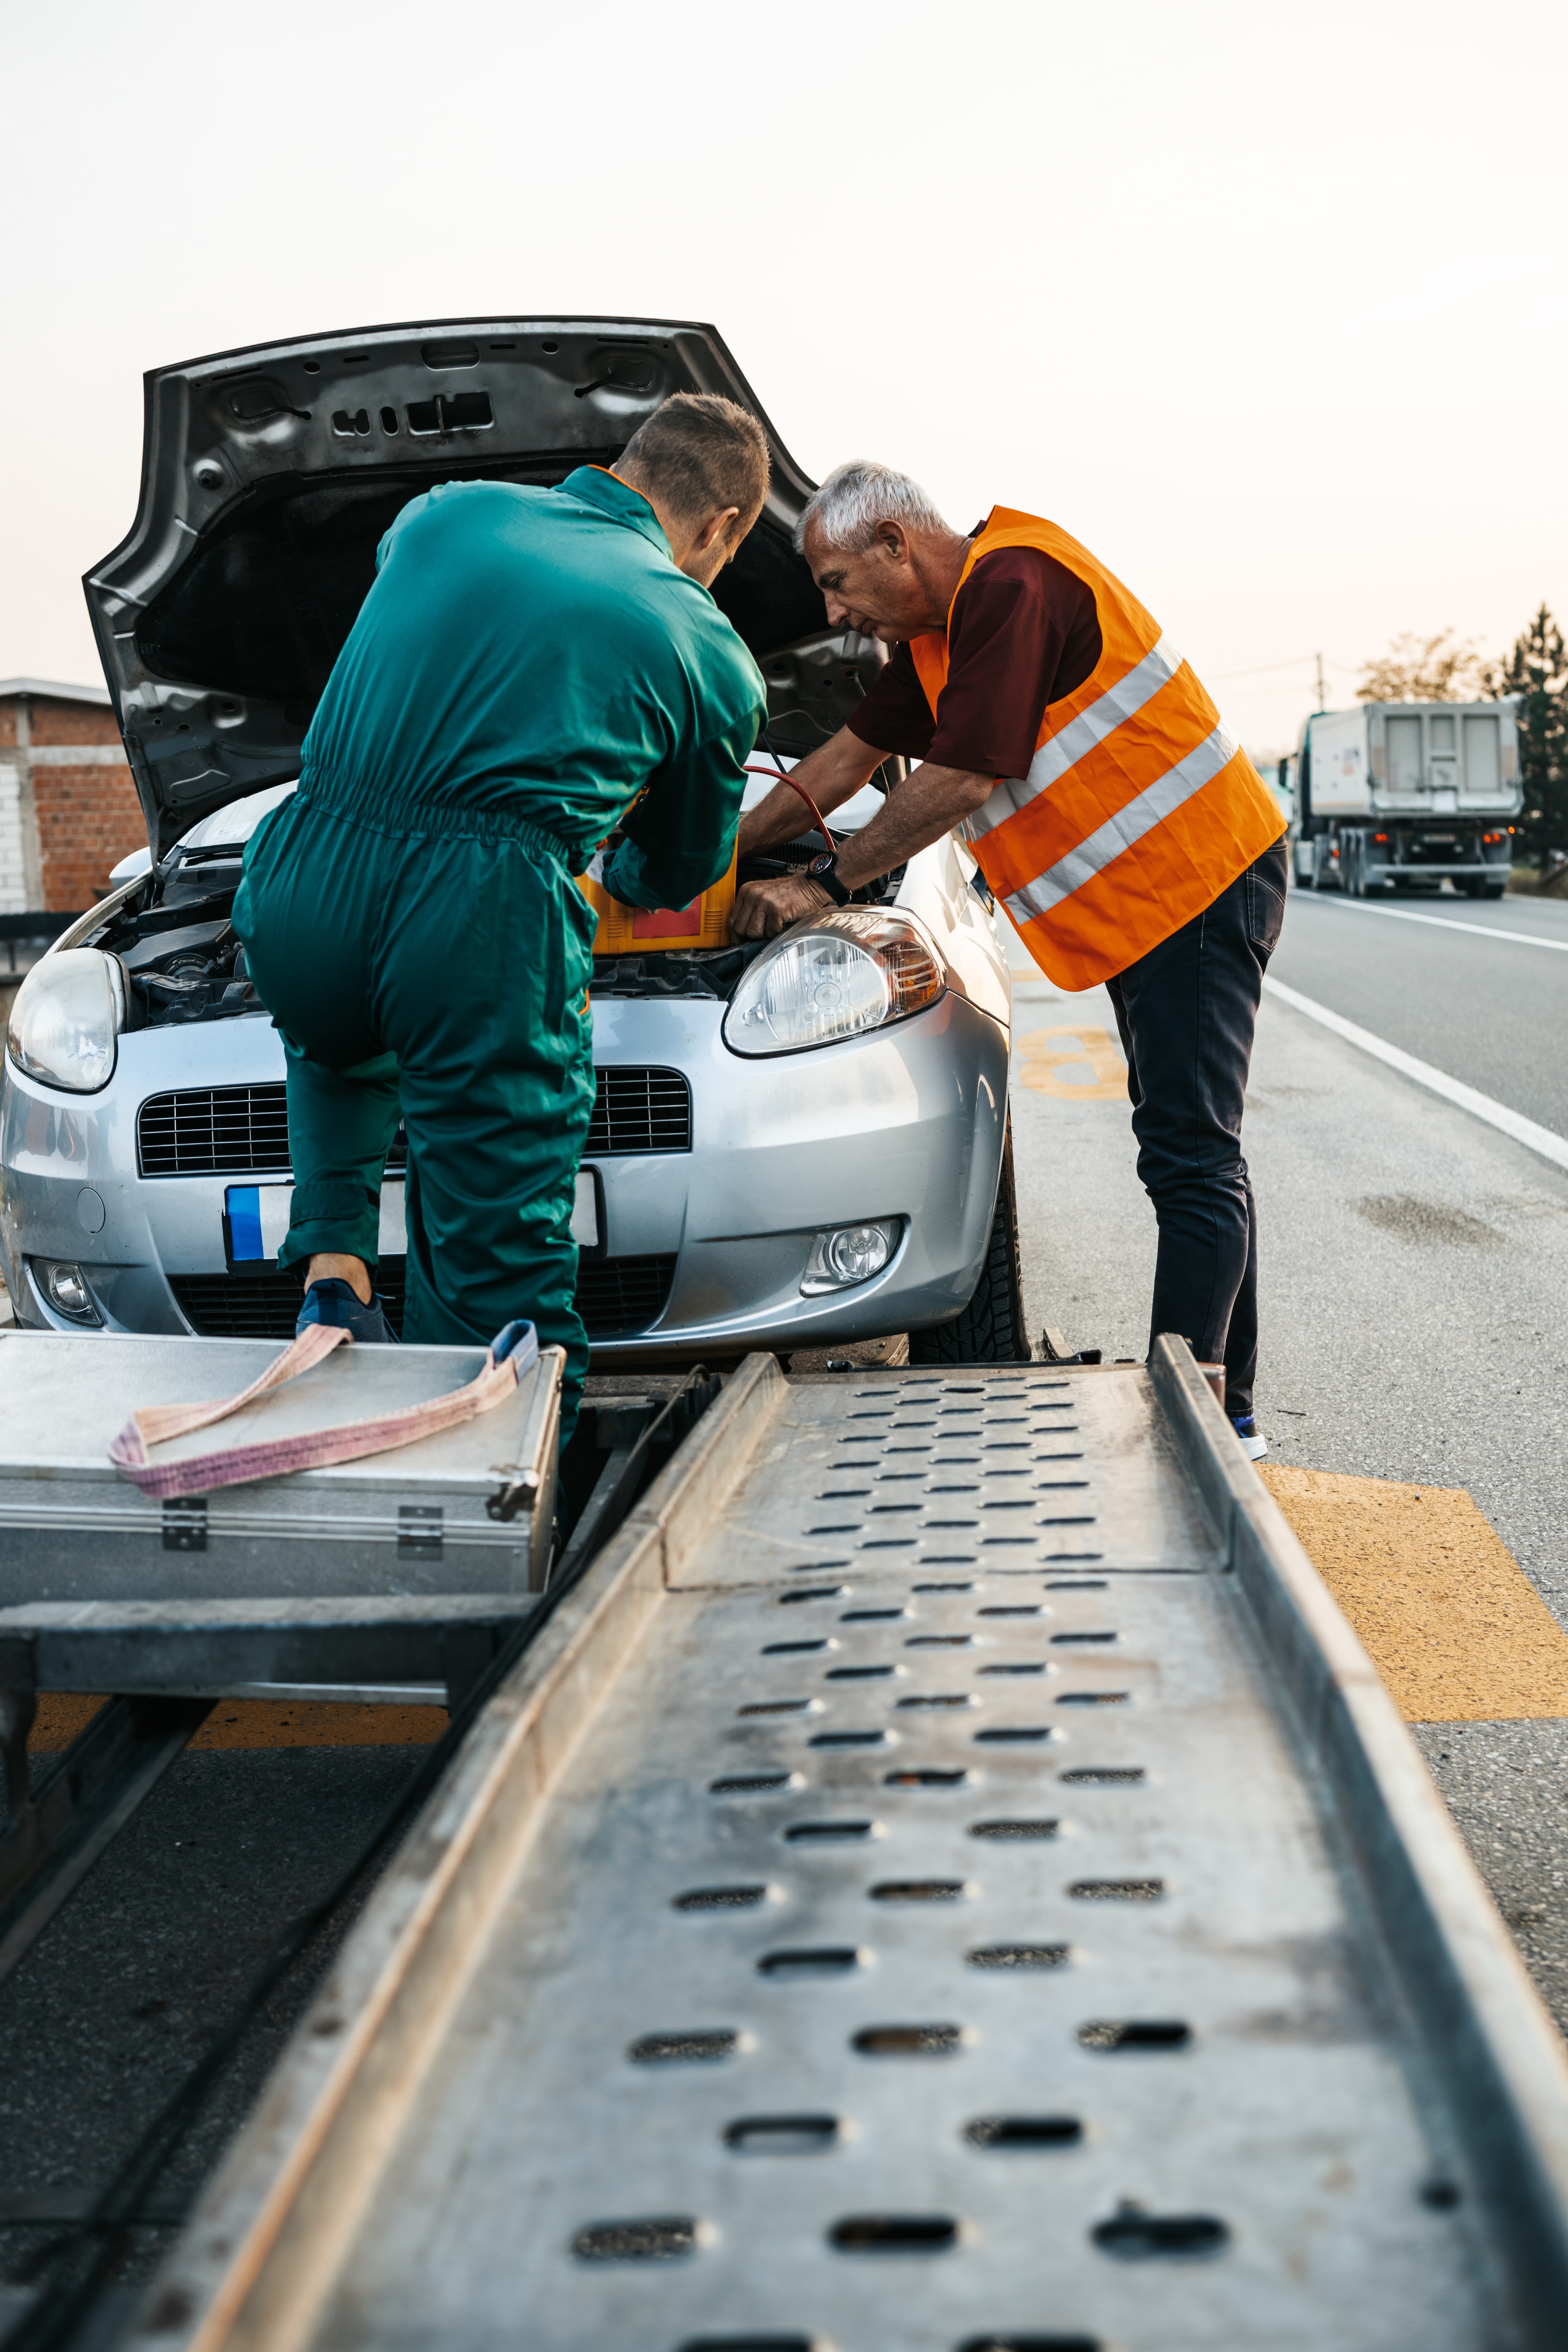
x,y
1453,1624
260,1723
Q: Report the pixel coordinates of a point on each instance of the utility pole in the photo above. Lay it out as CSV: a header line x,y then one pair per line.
x,y
1323,698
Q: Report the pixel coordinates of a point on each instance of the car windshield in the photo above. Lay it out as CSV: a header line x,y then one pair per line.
x,y
848,817
231,827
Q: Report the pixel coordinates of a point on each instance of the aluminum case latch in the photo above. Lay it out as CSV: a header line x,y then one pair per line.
x,y
520,1493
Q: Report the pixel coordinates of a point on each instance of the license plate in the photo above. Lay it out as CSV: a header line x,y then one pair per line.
x,y
256,1220
588,1214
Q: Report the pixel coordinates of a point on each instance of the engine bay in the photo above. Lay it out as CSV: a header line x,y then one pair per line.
x,y
717,972
175,940
174,937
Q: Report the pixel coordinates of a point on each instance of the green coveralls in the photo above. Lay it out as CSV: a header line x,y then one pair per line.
x,y
526,663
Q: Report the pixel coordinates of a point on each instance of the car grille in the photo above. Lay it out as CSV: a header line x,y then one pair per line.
x,y
244,1130
617,1297
214,1131
639,1111
621,1295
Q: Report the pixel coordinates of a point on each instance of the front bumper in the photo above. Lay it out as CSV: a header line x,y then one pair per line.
x,y
907,1122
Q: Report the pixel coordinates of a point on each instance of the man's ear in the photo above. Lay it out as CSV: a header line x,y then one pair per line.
x,y
716,527
893,541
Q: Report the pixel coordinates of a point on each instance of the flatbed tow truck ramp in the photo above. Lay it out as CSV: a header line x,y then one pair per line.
x,y
945,1876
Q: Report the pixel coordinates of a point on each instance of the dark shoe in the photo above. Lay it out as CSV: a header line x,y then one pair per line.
x,y
334,1302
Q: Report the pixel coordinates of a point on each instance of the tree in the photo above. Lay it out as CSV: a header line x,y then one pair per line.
x,y
1424,669
1537,669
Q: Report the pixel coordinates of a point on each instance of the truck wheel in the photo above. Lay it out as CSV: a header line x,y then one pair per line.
x,y
990,1329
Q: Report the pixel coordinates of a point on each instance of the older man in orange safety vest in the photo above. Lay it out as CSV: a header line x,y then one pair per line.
x,y
1127,838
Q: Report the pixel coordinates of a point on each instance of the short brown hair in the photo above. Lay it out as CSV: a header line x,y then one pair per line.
x,y
701,451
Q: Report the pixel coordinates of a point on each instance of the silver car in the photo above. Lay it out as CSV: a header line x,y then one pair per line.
x,y
794,1145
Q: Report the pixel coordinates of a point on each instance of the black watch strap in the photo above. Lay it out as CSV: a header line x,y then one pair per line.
x,y
825,869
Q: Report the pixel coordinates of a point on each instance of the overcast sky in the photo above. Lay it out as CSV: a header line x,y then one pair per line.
x,y
1262,303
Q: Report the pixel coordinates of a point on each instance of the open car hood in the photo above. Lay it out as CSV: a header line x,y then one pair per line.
x,y
270,476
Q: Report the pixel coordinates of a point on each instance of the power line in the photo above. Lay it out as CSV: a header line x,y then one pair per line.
x,y
1267,669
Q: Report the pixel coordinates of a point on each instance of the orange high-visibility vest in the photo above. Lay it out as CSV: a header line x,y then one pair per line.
x,y
1138,810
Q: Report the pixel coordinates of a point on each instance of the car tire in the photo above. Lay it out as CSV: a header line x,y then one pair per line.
x,y
990,1329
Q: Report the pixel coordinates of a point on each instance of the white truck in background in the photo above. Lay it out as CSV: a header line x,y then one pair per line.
x,y
1402,795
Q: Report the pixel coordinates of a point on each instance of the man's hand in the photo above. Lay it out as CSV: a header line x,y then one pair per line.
x,y
763,908
924,807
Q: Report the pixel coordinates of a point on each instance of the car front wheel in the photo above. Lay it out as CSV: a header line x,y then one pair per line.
x,y
990,1329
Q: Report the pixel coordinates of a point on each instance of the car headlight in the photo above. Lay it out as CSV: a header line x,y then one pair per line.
x,y
835,976
65,1018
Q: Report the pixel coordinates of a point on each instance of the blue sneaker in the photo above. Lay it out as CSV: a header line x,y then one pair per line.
x,y
1254,1444
334,1302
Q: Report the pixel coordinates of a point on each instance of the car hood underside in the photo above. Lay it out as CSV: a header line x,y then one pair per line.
x,y
269,477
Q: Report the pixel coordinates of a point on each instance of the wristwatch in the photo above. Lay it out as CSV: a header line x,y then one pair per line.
x,y
825,869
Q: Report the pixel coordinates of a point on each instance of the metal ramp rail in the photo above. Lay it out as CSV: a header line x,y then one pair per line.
x,y
947,1880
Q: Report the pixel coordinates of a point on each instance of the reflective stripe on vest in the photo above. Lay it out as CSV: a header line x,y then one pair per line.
x,y
1137,809
1120,831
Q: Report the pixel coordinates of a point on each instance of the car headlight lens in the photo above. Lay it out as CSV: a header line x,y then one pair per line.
x,y
834,976
65,1018
849,1253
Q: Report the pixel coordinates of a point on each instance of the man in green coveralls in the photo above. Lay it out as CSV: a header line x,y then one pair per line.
x,y
527,664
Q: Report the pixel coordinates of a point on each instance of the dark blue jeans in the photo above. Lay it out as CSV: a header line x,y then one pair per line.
x,y
1186,1012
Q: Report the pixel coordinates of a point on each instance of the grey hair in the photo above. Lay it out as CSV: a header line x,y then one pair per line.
x,y
858,496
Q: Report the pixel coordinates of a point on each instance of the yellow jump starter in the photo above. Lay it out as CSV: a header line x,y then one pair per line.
x,y
631,930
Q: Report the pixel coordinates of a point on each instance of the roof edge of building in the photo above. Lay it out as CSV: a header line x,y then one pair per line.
x,y
54,690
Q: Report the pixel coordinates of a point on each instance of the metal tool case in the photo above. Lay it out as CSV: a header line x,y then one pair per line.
x,y
414,1521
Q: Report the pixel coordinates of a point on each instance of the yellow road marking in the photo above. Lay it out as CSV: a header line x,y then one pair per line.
x,y
1043,1061
1453,1624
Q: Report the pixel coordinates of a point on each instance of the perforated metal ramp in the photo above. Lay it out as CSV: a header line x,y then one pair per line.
x,y
948,1879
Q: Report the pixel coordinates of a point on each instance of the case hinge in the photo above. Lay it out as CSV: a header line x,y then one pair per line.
x,y
185,1523
419,1531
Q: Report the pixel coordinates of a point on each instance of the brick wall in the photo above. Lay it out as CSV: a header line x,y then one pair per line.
x,y
88,818
84,814
56,720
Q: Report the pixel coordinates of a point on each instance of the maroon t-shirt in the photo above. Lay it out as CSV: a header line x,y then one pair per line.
x,y
1024,632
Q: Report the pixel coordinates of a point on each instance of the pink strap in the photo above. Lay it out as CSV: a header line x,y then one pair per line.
x,y
235,1466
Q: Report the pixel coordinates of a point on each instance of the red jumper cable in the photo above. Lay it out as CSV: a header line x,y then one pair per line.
x,y
781,775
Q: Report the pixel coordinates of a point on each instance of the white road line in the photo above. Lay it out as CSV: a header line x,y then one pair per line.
x,y
1510,1122
1446,923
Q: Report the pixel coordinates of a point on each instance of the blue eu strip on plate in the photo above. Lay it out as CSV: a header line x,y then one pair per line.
x,y
244,1205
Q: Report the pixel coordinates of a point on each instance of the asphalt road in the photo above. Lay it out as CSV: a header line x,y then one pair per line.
x,y
1483,1003
1414,1269
104,2017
